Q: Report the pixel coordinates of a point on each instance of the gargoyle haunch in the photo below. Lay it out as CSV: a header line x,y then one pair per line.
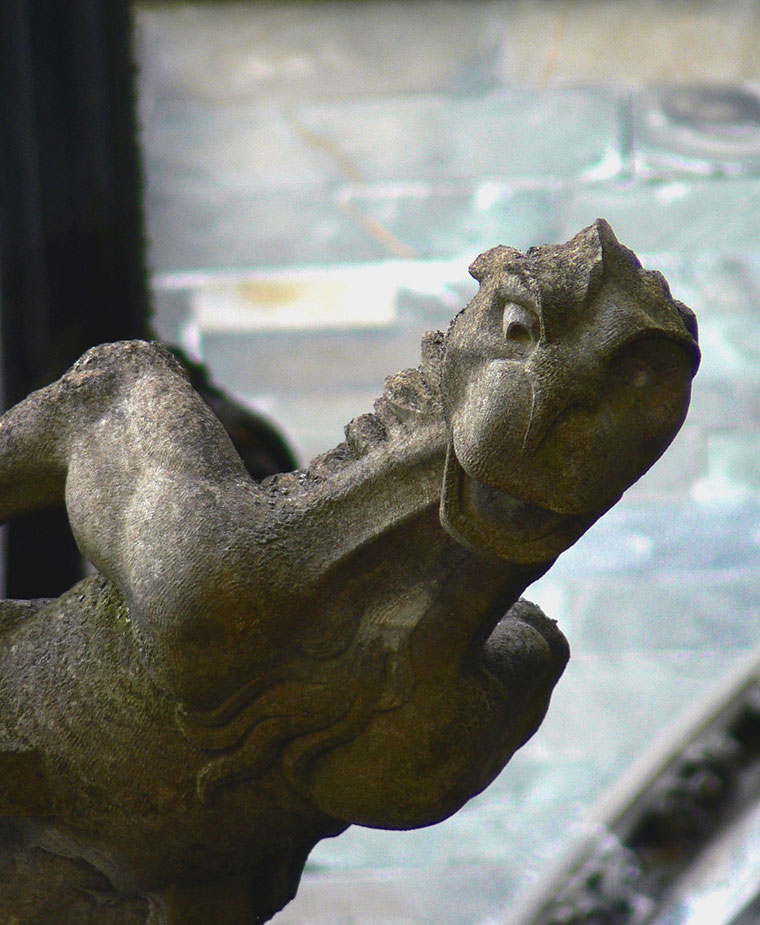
x,y
254,667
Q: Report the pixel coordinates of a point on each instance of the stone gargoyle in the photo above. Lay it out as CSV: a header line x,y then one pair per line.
x,y
255,666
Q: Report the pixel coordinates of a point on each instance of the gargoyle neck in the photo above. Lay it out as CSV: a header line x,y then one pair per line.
x,y
389,469
365,498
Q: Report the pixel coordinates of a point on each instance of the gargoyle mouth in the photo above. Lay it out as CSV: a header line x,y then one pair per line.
x,y
491,520
506,513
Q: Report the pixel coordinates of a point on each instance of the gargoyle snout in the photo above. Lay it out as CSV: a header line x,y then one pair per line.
x,y
557,386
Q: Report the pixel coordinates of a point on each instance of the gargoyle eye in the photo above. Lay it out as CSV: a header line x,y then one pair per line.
x,y
520,327
635,373
650,362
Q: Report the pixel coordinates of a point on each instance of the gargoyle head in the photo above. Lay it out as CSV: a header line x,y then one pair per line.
x,y
563,381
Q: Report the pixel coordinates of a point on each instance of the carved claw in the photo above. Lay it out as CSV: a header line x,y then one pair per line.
x,y
527,653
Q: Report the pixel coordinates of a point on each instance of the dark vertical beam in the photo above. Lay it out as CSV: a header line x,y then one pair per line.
x,y
71,247
24,282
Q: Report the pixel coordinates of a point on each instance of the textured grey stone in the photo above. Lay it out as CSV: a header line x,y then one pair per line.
x,y
538,804
252,667
259,52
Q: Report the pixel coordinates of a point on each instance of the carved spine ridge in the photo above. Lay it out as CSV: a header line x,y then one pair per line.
x,y
409,398
364,433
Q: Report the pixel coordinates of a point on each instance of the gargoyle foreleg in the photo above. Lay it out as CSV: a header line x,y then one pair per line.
x,y
526,653
147,473
105,401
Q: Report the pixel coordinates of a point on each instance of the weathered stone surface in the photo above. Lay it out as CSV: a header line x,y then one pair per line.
x,y
253,667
